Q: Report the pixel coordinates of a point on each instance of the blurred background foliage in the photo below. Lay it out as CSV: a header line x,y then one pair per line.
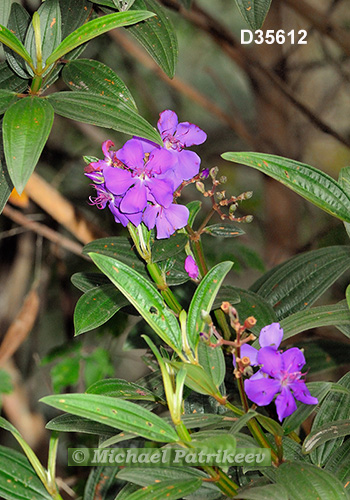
x,y
290,100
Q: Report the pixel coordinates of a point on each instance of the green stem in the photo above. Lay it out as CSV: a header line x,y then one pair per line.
x,y
36,84
167,294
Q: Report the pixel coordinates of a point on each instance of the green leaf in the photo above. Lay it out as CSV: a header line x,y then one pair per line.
x,y
267,492
103,112
224,230
66,372
309,182
5,8
126,491
308,482
96,307
120,414
164,249
143,296
74,13
197,378
193,207
317,389
248,304
18,480
6,99
157,35
344,181
26,127
338,463
336,314
326,432
101,483
242,421
6,185
50,30
6,386
336,406
270,425
9,81
11,41
297,283
212,359
254,12
94,77
151,475
18,23
203,300
171,490
95,28
119,388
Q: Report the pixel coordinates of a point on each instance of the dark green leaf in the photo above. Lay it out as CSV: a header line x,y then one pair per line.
x,y
10,81
224,230
74,13
5,8
26,127
151,475
267,492
157,36
249,304
212,359
87,281
242,421
336,314
143,296
338,463
203,300
73,423
120,388
336,406
164,249
50,30
18,480
101,483
171,490
6,99
344,182
96,307
193,207
119,248
94,77
326,432
309,182
120,414
270,425
197,378
95,28
174,270
308,482
6,185
18,23
126,491
11,41
254,12
66,372
297,283
103,112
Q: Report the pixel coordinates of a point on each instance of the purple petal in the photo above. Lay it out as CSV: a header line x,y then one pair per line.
x,y
106,146
118,181
150,215
147,145
135,218
189,134
167,122
271,335
285,404
191,267
160,160
135,200
251,353
132,154
270,360
262,390
302,393
118,216
170,219
293,360
161,190
188,164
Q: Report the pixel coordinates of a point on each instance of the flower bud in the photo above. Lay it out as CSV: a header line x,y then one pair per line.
x,y
214,172
223,179
200,187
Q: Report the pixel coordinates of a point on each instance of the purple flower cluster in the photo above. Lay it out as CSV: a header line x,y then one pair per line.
x,y
138,181
279,373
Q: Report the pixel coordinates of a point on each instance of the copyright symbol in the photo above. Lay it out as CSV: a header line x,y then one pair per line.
x,y
79,456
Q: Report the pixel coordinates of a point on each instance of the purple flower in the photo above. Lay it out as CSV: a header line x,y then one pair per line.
x,y
167,220
279,374
191,267
143,177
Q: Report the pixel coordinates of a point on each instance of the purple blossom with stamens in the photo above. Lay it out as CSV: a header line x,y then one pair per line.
x,y
279,373
166,220
191,267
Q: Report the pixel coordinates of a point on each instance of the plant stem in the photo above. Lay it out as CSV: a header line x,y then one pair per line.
x,y
167,294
